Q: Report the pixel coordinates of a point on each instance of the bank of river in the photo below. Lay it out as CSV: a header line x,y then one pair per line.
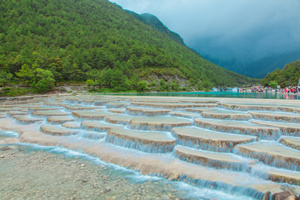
x,y
36,172
28,173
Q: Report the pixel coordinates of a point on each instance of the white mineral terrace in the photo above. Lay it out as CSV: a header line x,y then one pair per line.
x,y
158,123
209,140
13,113
293,142
285,128
199,110
184,114
146,111
117,110
25,119
225,114
50,113
118,119
97,115
262,106
71,125
239,127
212,159
40,108
237,146
80,107
60,119
272,116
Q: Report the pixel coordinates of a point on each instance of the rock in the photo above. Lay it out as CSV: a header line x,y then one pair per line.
x,y
267,196
286,195
174,177
106,190
6,148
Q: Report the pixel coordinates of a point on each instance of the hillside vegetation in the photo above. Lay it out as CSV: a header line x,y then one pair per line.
x,y
155,23
288,76
48,41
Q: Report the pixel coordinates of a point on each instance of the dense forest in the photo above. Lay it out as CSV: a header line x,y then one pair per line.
x,y
155,23
288,76
44,42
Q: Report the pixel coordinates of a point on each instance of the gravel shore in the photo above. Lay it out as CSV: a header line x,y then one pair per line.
x,y
27,174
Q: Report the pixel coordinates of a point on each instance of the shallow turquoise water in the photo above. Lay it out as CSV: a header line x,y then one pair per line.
x,y
264,95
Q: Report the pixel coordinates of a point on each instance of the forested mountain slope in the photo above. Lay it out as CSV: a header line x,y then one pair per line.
x,y
288,76
155,23
94,39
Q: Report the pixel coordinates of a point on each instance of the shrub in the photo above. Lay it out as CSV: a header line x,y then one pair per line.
x,y
142,86
273,84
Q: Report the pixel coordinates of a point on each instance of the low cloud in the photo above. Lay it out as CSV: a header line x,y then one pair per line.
x,y
241,29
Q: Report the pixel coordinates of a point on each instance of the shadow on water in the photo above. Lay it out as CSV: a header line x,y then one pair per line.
x,y
255,95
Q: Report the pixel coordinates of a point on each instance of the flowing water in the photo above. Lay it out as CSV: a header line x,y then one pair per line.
x,y
122,183
171,147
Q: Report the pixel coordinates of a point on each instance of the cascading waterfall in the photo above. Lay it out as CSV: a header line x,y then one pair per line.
x,y
219,160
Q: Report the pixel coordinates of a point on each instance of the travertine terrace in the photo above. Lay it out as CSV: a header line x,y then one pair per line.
x,y
237,146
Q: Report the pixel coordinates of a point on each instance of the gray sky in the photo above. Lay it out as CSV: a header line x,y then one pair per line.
x,y
242,29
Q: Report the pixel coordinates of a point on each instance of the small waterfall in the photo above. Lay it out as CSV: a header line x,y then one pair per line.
x,y
220,186
138,145
270,160
209,146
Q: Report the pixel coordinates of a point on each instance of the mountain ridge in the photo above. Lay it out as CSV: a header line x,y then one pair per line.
x,y
155,23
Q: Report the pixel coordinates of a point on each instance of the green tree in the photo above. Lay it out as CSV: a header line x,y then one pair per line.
x,y
134,80
206,84
26,74
5,78
199,87
174,86
44,80
108,78
92,83
142,86
162,85
273,84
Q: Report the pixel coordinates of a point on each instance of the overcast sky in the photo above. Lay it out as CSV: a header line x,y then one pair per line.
x,y
243,29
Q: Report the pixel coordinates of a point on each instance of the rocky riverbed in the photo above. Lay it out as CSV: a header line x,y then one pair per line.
x,y
38,174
